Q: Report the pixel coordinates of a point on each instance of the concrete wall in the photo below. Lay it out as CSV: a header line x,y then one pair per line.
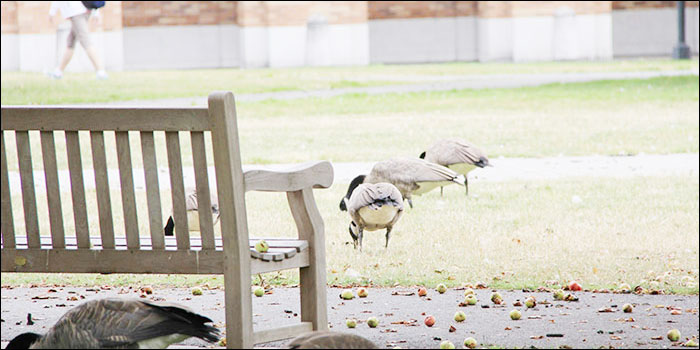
x,y
9,52
175,47
652,31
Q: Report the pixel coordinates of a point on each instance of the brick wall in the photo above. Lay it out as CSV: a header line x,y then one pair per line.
x,y
9,17
164,13
33,17
637,5
295,13
550,8
420,9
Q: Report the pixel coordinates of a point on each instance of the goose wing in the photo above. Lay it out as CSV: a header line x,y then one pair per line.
x,y
411,170
455,151
109,323
375,195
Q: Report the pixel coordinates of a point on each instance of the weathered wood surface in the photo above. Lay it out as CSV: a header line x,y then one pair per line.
x,y
317,174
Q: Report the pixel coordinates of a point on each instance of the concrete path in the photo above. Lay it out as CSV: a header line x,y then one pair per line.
x,y
574,324
504,169
439,83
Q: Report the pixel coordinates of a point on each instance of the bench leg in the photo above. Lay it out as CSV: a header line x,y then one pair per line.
x,y
312,278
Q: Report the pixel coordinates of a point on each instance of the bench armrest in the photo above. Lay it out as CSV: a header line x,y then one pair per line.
x,y
317,174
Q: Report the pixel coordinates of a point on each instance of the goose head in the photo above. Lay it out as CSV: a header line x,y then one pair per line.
x,y
23,341
422,155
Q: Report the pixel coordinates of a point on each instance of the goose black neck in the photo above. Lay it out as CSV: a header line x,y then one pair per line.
x,y
422,155
23,341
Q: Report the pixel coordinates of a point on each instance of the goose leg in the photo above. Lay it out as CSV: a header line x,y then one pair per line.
x,y
466,184
388,234
359,236
440,191
410,202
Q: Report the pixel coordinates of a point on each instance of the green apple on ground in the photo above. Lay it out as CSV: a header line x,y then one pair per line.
x,y
460,316
372,322
446,344
470,343
258,291
515,315
351,323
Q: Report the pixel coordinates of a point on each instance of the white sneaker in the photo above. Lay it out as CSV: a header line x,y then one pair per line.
x,y
101,75
56,74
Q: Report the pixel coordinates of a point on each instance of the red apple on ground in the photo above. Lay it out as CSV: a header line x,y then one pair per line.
x,y
362,292
429,321
574,286
422,292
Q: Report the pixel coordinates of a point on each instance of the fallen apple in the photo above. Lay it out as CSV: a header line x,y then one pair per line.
x,y
446,344
196,291
441,288
530,302
515,315
627,308
262,246
673,335
496,298
468,291
460,316
347,294
422,292
558,294
258,291
574,286
470,299
470,343
362,292
429,321
691,343
372,322
351,323
624,288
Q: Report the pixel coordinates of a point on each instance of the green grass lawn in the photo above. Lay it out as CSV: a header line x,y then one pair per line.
x,y
518,234
35,88
654,116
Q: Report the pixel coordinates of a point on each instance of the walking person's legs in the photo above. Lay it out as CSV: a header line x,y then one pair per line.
x,y
79,32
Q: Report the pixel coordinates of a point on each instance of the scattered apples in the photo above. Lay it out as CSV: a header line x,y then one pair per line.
x,y
673,335
196,291
372,322
496,298
351,323
362,292
429,321
468,291
441,288
422,292
470,299
470,343
446,344
574,286
346,294
262,246
258,291
530,302
691,343
627,308
624,288
558,294
515,315
460,316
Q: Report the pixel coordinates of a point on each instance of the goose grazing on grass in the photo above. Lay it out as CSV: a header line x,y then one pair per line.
x,y
372,207
458,155
192,207
120,323
331,340
412,176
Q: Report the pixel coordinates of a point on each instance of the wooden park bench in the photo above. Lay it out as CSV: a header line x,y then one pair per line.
x,y
152,252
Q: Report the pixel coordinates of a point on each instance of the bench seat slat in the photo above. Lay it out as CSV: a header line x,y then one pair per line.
x,y
206,222
77,185
177,186
133,261
26,173
126,177
104,204
150,167
53,192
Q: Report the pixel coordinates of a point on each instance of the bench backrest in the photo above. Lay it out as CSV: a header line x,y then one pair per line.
x,y
219,118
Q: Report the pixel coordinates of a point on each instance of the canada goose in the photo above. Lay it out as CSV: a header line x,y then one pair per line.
x,y
331,340
192,208
119,323
411,176
458,155
372,207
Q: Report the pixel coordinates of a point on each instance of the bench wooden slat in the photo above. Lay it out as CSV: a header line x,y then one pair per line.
x,y
126,176
206,223
26,173
134,261
284,332
75,168
177,186
104,118
53,191
8,223
150,167
104,204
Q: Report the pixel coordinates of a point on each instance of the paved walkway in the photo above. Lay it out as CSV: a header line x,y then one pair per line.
x,y
438,83
504,169
576,324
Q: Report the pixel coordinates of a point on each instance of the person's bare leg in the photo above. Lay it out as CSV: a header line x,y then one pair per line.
x,y
94,58
66,58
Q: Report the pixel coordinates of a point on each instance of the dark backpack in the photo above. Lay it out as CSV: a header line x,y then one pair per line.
x,y
93,5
